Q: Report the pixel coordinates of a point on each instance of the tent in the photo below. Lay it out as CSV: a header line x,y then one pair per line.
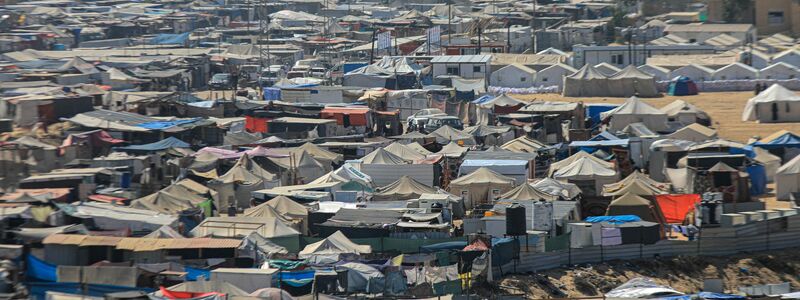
x,y
578,155
502,100
321,154
675,208
527,192
291,210
419,148
175,198
588,173
363,278
682,86
630,81
235,187
773,105
404,188
332,249
303,164
637,183
523,144
447,134
630,204
382,157
403,151
694,132
686,113
634,110
170,142
787,179
480,186
587,82
232,227
565,190
453,150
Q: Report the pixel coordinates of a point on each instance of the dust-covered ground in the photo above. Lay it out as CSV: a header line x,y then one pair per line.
x,y
684,274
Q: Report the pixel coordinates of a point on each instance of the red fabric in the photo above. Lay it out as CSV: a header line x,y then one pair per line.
x,y
253,124
183,295
477,245
676,207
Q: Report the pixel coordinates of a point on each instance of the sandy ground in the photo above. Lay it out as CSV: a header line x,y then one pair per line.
x,y
685,274
725,110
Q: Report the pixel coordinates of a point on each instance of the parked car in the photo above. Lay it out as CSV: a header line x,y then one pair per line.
x,y
221,81
270,75
417,120
436,122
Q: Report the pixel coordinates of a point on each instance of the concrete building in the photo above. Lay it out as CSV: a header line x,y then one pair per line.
x,y
621,56
700,32
775,16
465,66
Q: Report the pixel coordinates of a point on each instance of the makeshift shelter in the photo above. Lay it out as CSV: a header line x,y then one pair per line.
x,y
770,162
419,148
177,197
682,86
787,180
578,155
382,157
523,144
236,186
239,227
564,190
390,72
168,143
378,221
634,110
446,134
588,174
404,188
332,249
304,166
525,192
782,143
363,278
694,132
403,151
480,186
198,288
686,113
453,150
630,204
630,81
248,279
675,208
321,154
587,82
637,183
773,105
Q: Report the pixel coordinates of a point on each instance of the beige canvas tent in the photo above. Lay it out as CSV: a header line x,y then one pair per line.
x,y
480,186
446,134
636,183
239,227
527,192
554,187
685,112
631,81
452,150
787,179
382,157
578,155
694,132
589,174
634,110
404,188
773,105
332,249
587,82
177,197
630,204
236,185
306,168
403,151
523,144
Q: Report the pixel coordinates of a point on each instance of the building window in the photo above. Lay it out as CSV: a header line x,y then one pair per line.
x,y
544,79
775,18
476,69
452,70
617,59
523,79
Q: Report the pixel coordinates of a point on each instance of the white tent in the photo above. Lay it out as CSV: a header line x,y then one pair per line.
x,y
774,105
694,132
735,71
558,188
587,82
694,72
630,81
502,100
660,73
685,112
588,174
635,110
779,70
553,75
242,226
330,249
787,179
513,75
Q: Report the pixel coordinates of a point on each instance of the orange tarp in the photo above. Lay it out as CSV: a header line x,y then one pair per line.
x,y
676,207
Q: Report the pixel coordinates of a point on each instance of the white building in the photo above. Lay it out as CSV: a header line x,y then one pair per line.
x,y
513,75
465,66
553,75
621,56
700,32
694,72
791,56
735,71
779,70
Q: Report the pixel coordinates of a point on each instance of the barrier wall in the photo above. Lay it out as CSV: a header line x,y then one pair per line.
x,y
781,231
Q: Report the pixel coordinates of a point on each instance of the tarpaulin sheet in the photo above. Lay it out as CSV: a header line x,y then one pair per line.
x,y
184,295
504,250
170,39
560,242
193,274
786,140
444,246
164,144
160,125
41,270
675,207
297,279
758,179
285,264
614,219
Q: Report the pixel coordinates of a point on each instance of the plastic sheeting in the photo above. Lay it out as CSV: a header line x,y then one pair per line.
x,y
41,270
164,144
758,179
194,274
170,39
676,207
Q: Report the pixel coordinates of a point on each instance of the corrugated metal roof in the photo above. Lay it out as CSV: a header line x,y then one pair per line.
x,y
461,59
101,241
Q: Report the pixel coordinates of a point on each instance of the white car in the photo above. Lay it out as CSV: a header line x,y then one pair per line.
x,y
419,118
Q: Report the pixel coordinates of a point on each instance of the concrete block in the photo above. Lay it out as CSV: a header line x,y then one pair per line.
x,y
728,220
787,212
752,216
770,214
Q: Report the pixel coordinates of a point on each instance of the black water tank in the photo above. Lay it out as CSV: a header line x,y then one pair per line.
x,y
515,220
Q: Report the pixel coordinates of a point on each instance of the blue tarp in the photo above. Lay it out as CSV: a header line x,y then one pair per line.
x,y
161,125
593,111
38,290
458,245
170,39
272,94
297,279
41,270
786,140
604,136
758,179
705,295
170,142
483,99
614,219
193,274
